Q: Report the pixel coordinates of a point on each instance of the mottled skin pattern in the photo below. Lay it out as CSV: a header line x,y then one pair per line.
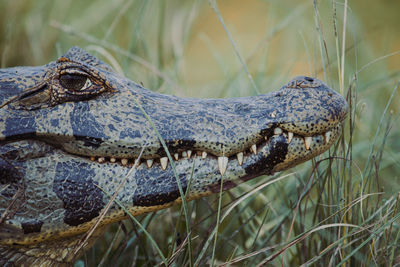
x,y
64,124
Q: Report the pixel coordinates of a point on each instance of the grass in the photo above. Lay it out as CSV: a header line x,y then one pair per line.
x,y
340,209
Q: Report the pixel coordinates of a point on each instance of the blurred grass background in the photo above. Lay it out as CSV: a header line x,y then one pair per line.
x,y
181,48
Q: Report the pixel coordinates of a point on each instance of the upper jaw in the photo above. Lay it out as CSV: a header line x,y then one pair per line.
x,y
266,125
222,128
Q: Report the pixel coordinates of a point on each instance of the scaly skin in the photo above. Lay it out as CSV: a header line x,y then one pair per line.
x,y
72,129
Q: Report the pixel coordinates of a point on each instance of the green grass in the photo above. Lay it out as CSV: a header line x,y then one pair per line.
x,y
340,209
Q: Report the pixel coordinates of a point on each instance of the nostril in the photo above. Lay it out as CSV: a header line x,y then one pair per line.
x,y
309,79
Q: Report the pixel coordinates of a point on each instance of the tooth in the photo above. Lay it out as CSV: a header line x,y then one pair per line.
x,y
222,164
176,156
92,158
278,131
113,160
240,158
203,155
266,138
253,149
290,137
124,162
164,162
307,142
149,163
101,160
189,153
327,136
184,154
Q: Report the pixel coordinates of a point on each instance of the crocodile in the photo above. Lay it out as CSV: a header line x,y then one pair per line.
x,y
74,134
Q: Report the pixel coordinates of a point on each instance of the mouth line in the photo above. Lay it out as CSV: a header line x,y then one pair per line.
x,y
321,139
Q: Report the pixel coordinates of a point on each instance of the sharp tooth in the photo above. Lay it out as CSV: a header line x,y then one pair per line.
x,y
307,142
124,162
290,137
164,162
149,163
222,164
189,153
240,158
113,160
184,154
203,155
92,158
101,159
176,156
253,149
327,136
278,131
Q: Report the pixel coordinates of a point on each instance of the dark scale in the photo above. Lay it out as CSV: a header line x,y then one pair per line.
x,y
32,226
82,199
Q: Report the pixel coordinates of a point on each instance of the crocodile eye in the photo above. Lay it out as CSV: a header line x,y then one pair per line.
x,y
75,82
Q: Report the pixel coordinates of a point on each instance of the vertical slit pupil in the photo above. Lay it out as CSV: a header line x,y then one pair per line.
x,y
73,81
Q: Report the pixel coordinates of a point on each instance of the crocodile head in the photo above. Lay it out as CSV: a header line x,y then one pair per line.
x,y
74,129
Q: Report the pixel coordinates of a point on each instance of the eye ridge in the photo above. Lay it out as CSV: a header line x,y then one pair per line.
x,y
75,82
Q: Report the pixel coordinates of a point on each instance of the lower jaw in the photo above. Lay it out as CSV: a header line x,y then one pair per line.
x,y
273,155
276,154
146,188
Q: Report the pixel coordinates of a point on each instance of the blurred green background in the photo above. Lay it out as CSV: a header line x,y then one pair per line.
x,y
181,48
186,40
